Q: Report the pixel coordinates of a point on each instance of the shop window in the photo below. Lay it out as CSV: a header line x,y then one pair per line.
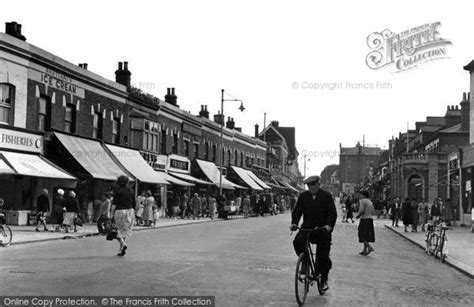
x,y
70,118
116,131
6,104
97,126
44,113
186,148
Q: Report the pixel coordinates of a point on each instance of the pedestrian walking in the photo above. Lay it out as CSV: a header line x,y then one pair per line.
x,y
196,206
175,206
349,209
183,205
148,205
246,206
394,212
423,214
104,213
139,208
435,211
204,205
212,206
406,213
414,216
42,208
122,212
58,205
366,225
72,212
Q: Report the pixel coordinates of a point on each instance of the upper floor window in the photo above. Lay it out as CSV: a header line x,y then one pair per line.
x,y
163,142
206,151
236,158
44,113
116,131
186,148
196,150
97,126
70,118
214,153
151,136
174,148
6,104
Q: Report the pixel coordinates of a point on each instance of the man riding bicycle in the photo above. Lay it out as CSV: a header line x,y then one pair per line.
x,y
318,210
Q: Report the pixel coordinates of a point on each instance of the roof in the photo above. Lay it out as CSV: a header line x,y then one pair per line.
x,y
289,135
371,151
435,120
452,129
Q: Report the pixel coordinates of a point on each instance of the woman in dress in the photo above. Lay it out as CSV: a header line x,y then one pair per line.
x,y
72,211
406,213
423,214
122,210
147,215
366,226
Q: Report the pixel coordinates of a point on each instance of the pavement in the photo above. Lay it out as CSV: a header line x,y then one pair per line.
x,y
460,246
27,234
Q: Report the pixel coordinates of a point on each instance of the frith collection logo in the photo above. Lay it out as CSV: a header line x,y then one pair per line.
x,y
406,49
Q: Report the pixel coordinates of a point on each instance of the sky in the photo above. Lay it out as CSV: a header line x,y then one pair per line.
x,y
303,63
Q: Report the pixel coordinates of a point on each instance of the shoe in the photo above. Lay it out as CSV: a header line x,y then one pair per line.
x,y
363,253
371,249
37,230
122,251
353,221
324,286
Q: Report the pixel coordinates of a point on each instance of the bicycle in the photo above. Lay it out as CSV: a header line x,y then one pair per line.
x,y
437,241
5,235
303,280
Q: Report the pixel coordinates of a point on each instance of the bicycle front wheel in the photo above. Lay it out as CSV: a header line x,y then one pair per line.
x,y
5,236
301,280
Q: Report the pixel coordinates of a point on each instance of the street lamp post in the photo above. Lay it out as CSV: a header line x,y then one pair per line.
x,y
241,108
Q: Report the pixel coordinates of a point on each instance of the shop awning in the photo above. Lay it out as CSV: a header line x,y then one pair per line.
x,y
235,185
258,180
33,165
174,180
213,174
5,169
243,174
189,178
92,156
133,162
289,186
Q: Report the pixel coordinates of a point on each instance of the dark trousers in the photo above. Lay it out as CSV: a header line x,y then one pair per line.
x,y
323,247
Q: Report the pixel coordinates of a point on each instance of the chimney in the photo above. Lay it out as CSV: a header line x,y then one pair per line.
x,y
465,112
170,97
228,124
14,29
122,76
204,113
452,117
84,65
256,130
275,123
218,118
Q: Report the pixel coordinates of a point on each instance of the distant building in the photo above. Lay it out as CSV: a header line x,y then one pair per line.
x,y
330,179
356,165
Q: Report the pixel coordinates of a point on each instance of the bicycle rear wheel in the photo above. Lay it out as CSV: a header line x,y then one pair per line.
x,y
433,245
301,282
5,236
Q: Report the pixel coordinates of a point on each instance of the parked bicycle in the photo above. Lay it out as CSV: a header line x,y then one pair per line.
x,y
437,241
305,279
5,231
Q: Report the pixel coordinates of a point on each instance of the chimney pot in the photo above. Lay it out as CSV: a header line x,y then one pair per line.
x,y
119,65
125,65
84,65
464,96
172,91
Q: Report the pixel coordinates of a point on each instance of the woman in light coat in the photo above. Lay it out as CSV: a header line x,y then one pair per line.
x,y
148,205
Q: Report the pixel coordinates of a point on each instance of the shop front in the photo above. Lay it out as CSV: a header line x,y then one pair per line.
x,y
467,171
25,172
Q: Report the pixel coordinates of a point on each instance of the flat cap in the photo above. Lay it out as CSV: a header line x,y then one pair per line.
x,y
312,179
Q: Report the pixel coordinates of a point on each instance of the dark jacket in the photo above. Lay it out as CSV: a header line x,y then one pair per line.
x,y
71,204
58,204
316,212
124,198
42,203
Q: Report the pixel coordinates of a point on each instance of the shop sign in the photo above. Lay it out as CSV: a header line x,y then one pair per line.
x,y
16,140
57,81
154,160
178,164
